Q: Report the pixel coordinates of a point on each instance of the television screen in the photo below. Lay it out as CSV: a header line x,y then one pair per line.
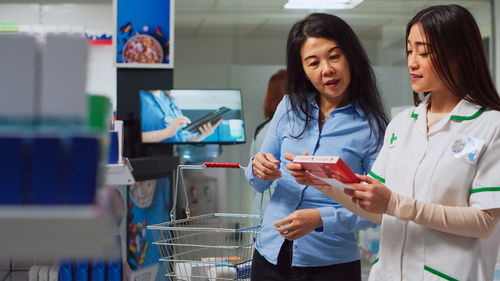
x,y
192,116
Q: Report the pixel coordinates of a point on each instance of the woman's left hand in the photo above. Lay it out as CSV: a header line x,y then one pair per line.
x,y
299,223
207,129
373,196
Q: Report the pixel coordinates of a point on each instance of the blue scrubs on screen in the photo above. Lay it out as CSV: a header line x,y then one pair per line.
x,y
158,112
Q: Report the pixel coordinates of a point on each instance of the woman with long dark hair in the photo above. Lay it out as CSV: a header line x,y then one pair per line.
x,y
332,107
435,186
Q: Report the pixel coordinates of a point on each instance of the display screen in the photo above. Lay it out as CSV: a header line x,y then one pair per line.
x,y
191,116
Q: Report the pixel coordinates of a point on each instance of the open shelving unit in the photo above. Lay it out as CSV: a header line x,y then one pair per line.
x,y
56,231
86,231
119,174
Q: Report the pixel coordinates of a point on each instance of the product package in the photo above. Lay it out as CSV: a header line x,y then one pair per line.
x,y
327,170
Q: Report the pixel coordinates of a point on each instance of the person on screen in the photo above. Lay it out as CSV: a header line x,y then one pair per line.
x,y
332,107
276,89
163,121
435,186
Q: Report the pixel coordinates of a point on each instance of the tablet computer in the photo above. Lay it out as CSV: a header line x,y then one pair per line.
x,y
211,117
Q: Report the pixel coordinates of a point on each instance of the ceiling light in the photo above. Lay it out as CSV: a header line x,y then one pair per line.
x,y
322,4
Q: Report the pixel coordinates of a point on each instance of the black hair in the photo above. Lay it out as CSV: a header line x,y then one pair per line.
x,y
457,53
362,90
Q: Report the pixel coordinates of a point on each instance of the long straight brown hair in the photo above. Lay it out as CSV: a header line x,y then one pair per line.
x,y
457,53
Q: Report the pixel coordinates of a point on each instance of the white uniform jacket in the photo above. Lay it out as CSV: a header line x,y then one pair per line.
x,y
457,163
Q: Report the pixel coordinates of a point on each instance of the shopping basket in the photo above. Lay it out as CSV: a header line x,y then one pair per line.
x,y
217,246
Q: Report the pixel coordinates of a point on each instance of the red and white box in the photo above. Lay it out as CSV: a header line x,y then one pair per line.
x,y
327,170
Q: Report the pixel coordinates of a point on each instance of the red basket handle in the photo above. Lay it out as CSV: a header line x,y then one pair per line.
x,y
222,165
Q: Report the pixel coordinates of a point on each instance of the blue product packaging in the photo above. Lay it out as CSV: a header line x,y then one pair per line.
x,y
82,270
244,270
13,169
83,169
47,170
115,270
113,147
98,270
65,270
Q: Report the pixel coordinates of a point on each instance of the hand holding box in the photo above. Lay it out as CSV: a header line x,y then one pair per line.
x,y
327,170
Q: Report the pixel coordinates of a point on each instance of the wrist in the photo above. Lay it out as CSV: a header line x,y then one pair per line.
x,y
391,206
319,220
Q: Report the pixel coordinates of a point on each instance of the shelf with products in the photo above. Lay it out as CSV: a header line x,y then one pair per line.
x,y
53,231
56,231
119,174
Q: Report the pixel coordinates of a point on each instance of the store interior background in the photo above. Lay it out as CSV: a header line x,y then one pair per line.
x,y
240,44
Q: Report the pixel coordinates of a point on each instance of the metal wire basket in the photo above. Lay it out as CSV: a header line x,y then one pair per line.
x,y
209,247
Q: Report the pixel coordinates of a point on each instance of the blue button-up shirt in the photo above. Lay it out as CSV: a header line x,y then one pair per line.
x,y
345,133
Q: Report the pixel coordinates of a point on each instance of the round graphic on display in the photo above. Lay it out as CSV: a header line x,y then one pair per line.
x,y
142,48
142,193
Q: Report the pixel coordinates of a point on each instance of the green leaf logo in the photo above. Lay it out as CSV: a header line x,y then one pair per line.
x,y
393,138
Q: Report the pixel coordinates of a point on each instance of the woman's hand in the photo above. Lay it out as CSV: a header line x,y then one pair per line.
x,y
207,129
175,124
373,196
265,167
168,132
299,223
300,174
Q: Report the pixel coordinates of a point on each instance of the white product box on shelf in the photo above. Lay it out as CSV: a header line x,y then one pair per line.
x,y
54,273
63,77
18,76
33,273
43,273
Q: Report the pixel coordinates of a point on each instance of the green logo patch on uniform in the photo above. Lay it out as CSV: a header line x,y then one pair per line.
x,y
393,138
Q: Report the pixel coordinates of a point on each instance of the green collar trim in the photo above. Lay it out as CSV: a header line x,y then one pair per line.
x,y
458,117
440,274
375,261
484,189
375,176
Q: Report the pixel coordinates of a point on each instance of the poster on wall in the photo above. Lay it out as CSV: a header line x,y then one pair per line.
x,y
148,204
144,33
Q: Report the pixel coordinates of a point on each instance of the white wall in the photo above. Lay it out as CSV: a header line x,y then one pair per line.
x,y
395,87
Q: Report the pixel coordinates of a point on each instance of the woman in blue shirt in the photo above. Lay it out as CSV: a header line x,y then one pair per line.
x,y
332,108
163,121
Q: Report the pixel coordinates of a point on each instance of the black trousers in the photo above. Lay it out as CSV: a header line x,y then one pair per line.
x,y
262,270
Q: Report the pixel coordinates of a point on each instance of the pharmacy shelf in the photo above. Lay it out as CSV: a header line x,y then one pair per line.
x,y
56,231
63,231
153,167
119,174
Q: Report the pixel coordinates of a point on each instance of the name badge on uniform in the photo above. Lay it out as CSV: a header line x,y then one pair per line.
x,y
466,148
